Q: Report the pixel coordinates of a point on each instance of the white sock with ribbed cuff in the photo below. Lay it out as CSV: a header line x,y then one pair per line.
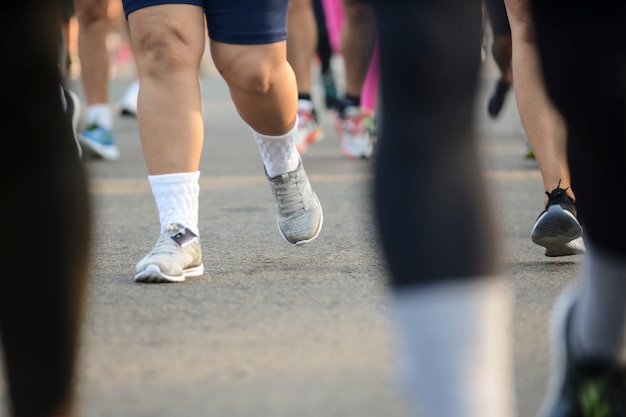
x,y
279,153
176,197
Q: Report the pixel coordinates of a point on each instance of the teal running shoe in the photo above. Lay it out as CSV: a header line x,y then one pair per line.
x,y
100,142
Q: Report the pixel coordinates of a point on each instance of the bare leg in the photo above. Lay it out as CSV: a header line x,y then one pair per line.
x,y
543,124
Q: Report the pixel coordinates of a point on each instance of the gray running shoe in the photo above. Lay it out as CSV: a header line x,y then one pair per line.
x,y
557,228
176,256
299,215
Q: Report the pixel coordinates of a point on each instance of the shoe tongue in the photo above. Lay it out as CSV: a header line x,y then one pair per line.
x,y
284,178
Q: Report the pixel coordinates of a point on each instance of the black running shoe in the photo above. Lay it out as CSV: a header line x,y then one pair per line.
x,y
580,388
496,100
557,228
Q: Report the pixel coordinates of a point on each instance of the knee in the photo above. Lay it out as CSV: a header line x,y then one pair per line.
x,y
163,50
251,71
254,80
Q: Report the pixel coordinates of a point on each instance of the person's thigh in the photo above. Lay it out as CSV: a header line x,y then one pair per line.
x,y
175,30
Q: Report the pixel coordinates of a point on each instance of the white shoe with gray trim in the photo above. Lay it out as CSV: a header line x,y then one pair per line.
x,y
176,256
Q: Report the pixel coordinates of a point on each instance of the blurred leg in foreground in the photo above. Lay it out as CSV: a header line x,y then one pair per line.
x,y
47,219
588,375
450,309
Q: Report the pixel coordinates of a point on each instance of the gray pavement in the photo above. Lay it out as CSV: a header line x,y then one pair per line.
x,y
271,329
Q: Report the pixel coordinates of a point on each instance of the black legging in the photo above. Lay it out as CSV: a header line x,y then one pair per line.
x,y
324,50
585,73
45,209
496,11
429,191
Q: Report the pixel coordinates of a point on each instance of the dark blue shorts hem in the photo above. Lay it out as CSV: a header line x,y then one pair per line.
x,y
242,22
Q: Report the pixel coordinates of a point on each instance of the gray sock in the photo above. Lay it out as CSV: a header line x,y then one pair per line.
x,y
454,353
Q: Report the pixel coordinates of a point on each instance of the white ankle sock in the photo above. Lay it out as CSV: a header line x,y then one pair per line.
x,y
454,348
598,327
278,153
100,114
176,197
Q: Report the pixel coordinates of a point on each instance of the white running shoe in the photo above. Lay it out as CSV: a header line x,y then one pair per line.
x,y
357,141
99,142
309,130
176,256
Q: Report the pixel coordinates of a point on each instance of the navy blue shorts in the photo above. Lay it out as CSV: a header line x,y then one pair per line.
x,y
244,22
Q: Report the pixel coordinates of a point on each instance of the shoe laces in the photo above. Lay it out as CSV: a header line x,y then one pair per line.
x,y
99,133
289,194
94,126
165,244
559,196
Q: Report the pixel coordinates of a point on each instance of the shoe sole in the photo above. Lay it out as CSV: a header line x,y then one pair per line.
x,y
350,155
558,350
152,274
558,231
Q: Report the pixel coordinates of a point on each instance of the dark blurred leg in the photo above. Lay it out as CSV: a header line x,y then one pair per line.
x,y
430,195
46,214
449,310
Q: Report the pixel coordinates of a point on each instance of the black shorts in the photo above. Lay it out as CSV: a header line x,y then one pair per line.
x,y
244,22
